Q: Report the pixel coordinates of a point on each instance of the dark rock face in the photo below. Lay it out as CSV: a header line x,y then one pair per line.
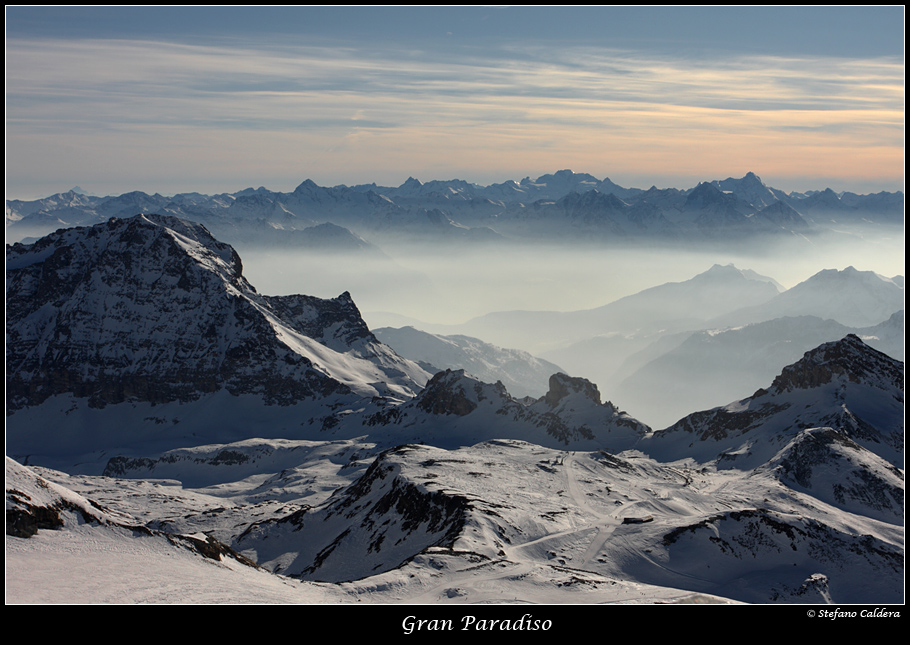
x,y
445,394
562,386
119,466
152,308
374,525
210,548
414,511
26,521
862,484
720,423
849,357
336,319
570,412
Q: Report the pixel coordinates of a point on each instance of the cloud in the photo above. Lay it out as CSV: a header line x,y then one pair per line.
x,y
334,108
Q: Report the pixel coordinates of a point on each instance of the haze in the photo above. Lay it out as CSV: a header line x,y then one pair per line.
x,y
449,285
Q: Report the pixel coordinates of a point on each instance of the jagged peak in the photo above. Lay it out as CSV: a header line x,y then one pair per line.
x,y
445,394
307,185
132,231
411,182
848,358
347,302
455,392
591,198
706,187
706,194
563,385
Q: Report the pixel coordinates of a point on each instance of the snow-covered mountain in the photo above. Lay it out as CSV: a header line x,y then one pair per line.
x,y
95,562
750,190
151,310
520,372
676,374
849,296
668,308
236,447
843,385
561,205
457,410
34,504
827,464
142,334
500,521
103,552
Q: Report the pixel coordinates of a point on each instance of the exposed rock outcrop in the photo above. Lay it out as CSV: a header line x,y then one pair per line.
x,y
154,309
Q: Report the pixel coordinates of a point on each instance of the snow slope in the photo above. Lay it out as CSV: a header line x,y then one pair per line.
x,y
97,563
521,373
180,438
152,312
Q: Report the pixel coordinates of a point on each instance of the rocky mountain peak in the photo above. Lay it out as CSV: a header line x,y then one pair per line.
x,y
306,186
591,199
445,394
844,385
711,202
705,191
562,385
137,250
453,392
153,309
849,358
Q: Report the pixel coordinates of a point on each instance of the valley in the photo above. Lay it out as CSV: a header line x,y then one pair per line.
x,y
174,435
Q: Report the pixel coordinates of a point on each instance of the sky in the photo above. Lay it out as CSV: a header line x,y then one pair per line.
x,y
180,99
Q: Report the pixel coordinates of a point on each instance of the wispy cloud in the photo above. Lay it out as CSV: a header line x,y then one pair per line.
x,y
335,110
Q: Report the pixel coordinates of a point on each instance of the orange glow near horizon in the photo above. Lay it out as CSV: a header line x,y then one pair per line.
x,y
131,112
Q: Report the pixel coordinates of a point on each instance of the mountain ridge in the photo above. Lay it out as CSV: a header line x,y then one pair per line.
x,y
231,428
566,202
152,310
845,385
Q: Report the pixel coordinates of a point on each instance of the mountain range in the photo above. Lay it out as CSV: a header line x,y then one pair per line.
x,y
562,205
173,435
521,373
695,343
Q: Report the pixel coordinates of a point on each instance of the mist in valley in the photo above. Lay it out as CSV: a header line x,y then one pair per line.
x,y
443,285
550,299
